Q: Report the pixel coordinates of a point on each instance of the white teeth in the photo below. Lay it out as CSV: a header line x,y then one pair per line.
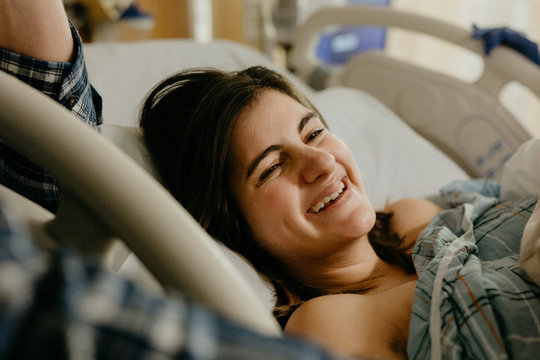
x,y
321,204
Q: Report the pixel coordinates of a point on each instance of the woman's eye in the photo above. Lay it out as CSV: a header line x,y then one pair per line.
x,y
314,134
269,171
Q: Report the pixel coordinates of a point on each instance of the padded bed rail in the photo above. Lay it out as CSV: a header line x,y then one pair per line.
x,y
465,120
108,195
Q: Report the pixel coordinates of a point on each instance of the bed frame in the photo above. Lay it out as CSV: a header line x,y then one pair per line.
x,y
465,120
107,196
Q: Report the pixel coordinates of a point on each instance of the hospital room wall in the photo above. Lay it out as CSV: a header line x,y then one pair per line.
x,y
521,15
175,18
170,17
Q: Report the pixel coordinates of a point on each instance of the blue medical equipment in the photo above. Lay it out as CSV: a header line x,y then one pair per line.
x,y
337,46
507,37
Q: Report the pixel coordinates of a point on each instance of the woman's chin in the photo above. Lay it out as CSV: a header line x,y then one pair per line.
x,y
367,220
363,221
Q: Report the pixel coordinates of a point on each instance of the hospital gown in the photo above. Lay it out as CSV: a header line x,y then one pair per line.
x,y
472,299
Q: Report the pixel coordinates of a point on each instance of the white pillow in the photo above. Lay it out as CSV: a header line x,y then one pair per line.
x,y
521,177
130,140
521,173
124,73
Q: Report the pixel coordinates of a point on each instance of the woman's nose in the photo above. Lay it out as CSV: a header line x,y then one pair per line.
x,y
316,163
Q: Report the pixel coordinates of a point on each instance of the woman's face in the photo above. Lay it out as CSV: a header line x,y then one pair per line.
x,y
296,184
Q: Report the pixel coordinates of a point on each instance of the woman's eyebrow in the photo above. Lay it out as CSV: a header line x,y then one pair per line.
x,y
259,158
303,122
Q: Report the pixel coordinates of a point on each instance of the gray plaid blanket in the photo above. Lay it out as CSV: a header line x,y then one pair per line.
x,y
472,299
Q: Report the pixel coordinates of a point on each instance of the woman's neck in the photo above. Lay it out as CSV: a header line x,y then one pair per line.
x,y
355,269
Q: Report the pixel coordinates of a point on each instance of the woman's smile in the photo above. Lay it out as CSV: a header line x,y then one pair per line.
x,y
327,201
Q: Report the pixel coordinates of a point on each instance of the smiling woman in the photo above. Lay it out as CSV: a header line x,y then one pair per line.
x,y
298,167
279,187
255,163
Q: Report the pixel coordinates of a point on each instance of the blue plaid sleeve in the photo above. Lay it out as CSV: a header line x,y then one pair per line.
x,y
59,305
65,82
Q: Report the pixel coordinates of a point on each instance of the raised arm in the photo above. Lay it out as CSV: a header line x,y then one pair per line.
x,y
38,46
37,28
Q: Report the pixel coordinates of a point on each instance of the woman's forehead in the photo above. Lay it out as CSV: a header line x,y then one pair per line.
x,y
263,122
271,107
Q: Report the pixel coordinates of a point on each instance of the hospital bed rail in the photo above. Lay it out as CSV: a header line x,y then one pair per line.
x,y
105,195
465,120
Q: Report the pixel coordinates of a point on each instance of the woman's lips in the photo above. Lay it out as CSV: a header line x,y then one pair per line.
x,y
328,200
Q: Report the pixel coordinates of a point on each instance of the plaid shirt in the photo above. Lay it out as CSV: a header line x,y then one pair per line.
x,y
65,82
58,305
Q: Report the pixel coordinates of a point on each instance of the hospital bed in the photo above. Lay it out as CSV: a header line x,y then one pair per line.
x,y
115,193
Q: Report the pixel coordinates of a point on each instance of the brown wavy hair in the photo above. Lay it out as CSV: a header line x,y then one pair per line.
x,y
188,120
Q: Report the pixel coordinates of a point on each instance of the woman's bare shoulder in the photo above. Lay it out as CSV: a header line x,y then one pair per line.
x,y
325,310
351,323
411,216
